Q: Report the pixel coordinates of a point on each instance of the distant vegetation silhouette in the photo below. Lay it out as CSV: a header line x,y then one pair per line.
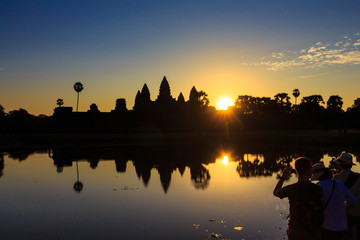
x,y
60,102
167,114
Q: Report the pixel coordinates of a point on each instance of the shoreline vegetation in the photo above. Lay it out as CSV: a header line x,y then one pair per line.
x,y
311,138
167,121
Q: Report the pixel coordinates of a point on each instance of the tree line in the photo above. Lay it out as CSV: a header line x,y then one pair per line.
x,y
169,114
311,112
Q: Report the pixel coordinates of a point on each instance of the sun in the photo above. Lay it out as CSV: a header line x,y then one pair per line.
x,y
224,103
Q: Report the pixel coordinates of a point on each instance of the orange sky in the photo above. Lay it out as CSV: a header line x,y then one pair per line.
x,y
226,49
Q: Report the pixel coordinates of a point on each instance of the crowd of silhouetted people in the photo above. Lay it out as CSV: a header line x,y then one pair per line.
x,y
328,210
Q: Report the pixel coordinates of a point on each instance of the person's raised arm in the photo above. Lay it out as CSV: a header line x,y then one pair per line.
x,y
285,175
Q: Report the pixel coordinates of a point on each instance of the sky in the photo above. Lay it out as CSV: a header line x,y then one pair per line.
x,y
226,48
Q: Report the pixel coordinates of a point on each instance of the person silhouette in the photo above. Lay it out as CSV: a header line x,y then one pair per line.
x,y
351,180
301,195
335,196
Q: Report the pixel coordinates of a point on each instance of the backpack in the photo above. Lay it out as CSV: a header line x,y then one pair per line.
x,y
314,212
313,215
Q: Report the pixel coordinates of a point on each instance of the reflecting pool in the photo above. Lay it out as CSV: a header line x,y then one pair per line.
x,y
148,193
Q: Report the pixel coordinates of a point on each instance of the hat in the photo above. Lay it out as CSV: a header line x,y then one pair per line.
x,y
345,159
318,169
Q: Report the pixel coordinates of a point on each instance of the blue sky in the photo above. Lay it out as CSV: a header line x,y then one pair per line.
x,y
224,47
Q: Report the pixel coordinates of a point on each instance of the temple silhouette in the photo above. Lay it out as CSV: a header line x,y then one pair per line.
x,y
164,114
167,114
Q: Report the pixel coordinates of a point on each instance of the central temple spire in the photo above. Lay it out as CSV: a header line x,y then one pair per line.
x,y
164,91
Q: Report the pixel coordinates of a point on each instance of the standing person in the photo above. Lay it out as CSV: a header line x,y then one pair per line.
x,y
304,197
335,195
351,180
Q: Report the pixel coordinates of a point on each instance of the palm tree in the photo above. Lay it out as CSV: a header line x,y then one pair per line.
x,y
78,87
59,102
296,94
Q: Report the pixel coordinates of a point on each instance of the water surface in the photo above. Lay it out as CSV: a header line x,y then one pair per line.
x,y
144,194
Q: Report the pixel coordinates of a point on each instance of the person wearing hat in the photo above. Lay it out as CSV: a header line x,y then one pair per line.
x,y
351,180
335,195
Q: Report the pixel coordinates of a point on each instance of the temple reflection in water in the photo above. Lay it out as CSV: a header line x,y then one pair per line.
x,y
142,192
251,161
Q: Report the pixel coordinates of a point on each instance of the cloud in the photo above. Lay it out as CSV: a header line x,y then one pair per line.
x,y
314,49
275,66
278,55
318,55
352,57
313,76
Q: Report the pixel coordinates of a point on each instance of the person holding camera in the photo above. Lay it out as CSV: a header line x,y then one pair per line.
x,y
351,180
305,199
335,197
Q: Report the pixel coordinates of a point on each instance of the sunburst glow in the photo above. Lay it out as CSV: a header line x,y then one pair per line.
x,y
224,103
225,160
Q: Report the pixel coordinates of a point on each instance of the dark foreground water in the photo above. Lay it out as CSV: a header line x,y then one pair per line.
x,y
146,193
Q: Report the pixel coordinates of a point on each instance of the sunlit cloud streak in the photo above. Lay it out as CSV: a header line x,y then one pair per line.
x,y
316,56
313,76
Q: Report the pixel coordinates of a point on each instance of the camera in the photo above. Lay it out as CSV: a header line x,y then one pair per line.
x,y
332,164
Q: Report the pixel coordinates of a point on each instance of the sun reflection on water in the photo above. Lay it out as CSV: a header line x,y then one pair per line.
x,y
225,160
